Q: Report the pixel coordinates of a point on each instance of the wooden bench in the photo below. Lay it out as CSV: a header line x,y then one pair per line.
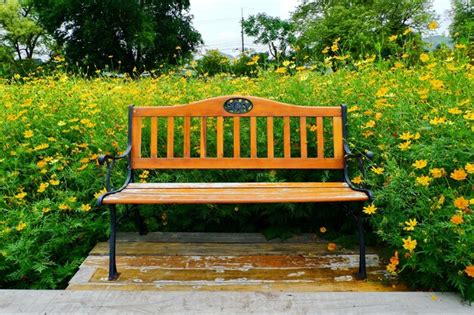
x,y
233,110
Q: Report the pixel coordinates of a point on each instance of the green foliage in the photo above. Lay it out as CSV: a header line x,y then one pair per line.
x,y
55,126
128,34
278,34
22,33
362,26
462,27
212,63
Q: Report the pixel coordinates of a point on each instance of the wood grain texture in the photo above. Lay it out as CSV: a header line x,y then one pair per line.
x,y
286,137
320,136
203,140
236,137
303,137
170,138
136,138
270,144
187,137
337,137
253,137
154,137
214,108
220,137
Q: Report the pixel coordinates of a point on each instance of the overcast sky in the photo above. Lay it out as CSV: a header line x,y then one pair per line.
x,y
218,21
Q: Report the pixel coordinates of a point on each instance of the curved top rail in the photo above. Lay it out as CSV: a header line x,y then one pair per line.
x,y
232,105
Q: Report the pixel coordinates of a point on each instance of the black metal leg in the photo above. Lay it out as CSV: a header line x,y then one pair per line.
x,y
113,274
362,274
139,222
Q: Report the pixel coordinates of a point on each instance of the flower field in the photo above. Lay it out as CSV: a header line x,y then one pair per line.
x,y
418,120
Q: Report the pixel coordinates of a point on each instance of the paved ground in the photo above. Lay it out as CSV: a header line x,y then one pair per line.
x,y
149,302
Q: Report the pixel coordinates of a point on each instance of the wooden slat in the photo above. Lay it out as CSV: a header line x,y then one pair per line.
x,y
187,137
154,137
253,137
170,141
238,185
220,137
215,107
136,137
270,145
286,137
238,163
237,137
320,136
337,137
203,145
303,144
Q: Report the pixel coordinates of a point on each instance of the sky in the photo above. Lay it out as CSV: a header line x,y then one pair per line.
x,y
218,21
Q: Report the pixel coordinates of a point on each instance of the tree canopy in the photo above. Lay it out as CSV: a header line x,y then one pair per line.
x,y
361,25
133,34
463,20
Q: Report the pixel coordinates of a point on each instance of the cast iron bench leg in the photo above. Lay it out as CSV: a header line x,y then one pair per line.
x,y
362,274
113,274
139,222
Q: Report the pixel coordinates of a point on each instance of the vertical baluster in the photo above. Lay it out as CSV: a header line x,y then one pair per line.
x,y
236,137
220,137
286,137
320,136
170,150
154,137
187,137
303,145
270,146
337,137
137,137
253,137
203,146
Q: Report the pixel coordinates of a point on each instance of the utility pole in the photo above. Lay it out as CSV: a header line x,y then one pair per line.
x,y
242,29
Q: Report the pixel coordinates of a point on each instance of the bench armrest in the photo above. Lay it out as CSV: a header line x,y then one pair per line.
x,y
361,158
109,161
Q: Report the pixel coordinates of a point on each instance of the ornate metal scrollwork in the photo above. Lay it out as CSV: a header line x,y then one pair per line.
x,y
238,106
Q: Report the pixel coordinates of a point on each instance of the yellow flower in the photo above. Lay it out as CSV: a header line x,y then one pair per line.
x,y
377,170
100,193
407,31
334,47
406,136
286,63
332,247
433,25
21,195
419,164
469,168
325,50
41,164
424,57
437,84
322,229
28,134
423,180
46,210
85,207
144,174
64,207
371,209
391,268
393,38
357,180
409,244
405,145
457,219
460,46
42,187
461,203
410,225
455,111
437,172
381,92
369,124
281,70
21,226
469,271
54,182
41,147
458,174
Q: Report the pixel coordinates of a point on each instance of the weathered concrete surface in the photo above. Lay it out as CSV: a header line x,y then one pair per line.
x,y
122,302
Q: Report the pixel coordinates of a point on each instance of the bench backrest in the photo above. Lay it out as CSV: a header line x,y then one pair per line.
x,y
322,125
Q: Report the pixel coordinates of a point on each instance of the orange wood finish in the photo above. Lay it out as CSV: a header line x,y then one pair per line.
x,y
214,108
205,193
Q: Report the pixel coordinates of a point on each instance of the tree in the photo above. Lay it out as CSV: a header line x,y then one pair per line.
x,y
276,33
137,34
21,31
462,27
362,26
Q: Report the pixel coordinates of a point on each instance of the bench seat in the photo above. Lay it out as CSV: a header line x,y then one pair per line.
x,y
225,193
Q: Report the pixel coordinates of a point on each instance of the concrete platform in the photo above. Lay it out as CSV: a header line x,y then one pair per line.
x,y
230,262
120,302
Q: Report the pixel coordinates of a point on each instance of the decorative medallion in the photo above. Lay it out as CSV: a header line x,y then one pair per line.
x,y
238,106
